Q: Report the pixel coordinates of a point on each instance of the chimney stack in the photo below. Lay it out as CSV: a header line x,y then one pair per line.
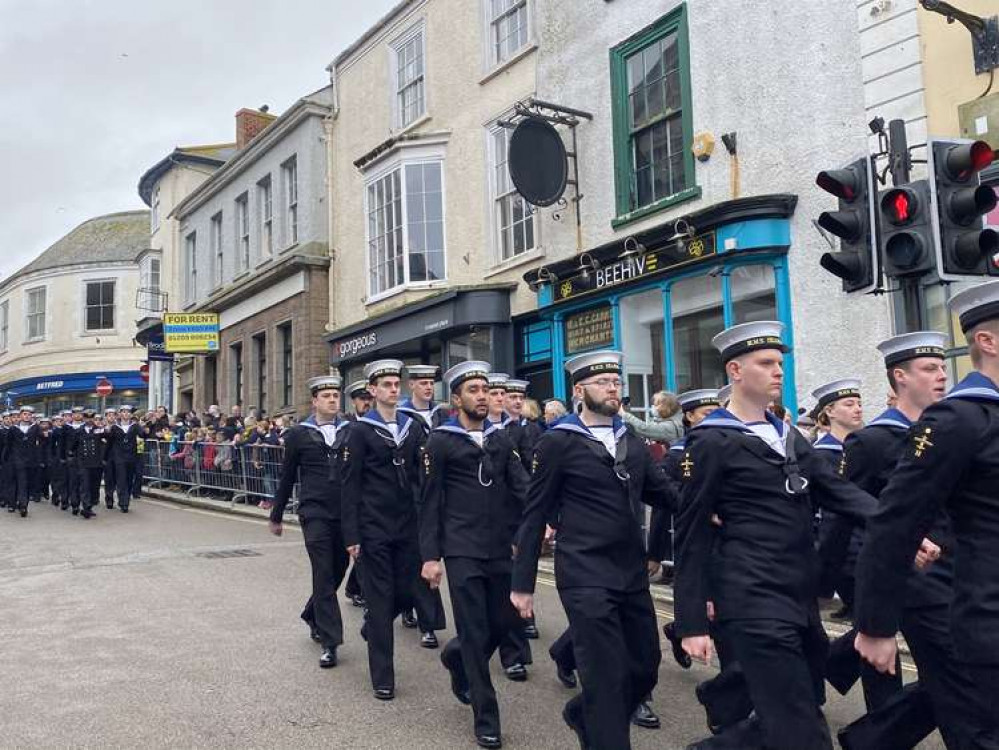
x,y
250,123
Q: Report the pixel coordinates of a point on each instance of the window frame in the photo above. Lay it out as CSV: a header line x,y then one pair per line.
x,y
289,178
238,372
265,193
624,174
495,222
286,333
243,249
4,325
493,60
418,29
86,330
191,267
400,165
218,249
154,210
28,338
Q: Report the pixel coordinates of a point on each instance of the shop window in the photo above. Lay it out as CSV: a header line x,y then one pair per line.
x,y
650,80
698,316
476,344
535,343
753,294
642,334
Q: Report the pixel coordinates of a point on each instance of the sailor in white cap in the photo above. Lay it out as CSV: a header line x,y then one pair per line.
x,y
89,447
123,451
759,477
474,490
309,450
949,464
429,608
74,474
592,473
422,380
110,478
380,465
23,443
360,399
57,457
6,470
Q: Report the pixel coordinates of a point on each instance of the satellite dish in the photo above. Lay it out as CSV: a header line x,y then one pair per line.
x,y
539,166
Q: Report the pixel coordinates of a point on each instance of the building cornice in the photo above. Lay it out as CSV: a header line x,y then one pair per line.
x,y
247,287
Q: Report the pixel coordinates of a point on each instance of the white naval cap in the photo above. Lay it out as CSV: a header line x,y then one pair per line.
x,y
422,372
29,409
834,391
324,383
725,394
690,400
43,418
976,305
498,380
749,337
77,410
516,386
358,388
471,370
908,346
381,368
587,365
111,410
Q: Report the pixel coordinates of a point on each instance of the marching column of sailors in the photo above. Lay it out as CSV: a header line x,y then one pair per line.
x,y
900,518
68,457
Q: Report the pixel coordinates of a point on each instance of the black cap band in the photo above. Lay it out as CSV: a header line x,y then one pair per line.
x,y
456,383
897,358
752,345
699,402
836,396
980,314
598,368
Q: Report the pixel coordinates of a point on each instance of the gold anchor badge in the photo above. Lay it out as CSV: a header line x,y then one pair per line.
x,y
842,466
686,465
534,466
923,442
346,454
426,462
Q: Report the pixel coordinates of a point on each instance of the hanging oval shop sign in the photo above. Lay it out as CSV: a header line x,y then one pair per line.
x,y
539,166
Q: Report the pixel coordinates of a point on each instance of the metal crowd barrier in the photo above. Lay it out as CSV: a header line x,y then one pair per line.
x,y
237,472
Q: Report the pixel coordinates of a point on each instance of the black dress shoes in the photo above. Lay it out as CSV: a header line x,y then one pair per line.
x,y
458,686
87,513
489,740
409,620
314,634
645,717
24,513
384,694
576,725
516,672
429,640
76,511
682,657
327,660
531,631
566,676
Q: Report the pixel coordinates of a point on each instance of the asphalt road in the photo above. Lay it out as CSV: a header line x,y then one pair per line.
x,y
120,632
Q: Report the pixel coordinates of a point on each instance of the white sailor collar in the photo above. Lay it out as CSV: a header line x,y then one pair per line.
x,y
893,419
455,427
828,442
975,387
724,419
402,420
572,423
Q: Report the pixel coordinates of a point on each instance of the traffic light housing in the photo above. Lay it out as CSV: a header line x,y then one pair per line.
x,y
854,223
906,231
964,246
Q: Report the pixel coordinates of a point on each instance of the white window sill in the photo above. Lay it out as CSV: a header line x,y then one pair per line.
x,y
421,120
418,287
40,340
499,67
516,261
95,334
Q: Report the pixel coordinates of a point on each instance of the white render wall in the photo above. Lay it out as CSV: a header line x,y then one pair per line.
x,y
786,77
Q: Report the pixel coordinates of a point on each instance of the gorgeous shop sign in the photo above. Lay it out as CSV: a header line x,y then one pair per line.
x,y
639,267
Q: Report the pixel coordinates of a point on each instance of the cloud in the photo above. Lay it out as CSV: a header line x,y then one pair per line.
x,y
97,91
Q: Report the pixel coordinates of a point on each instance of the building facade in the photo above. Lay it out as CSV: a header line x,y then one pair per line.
x,y
429,237
67,319
254,248
697,176
161,188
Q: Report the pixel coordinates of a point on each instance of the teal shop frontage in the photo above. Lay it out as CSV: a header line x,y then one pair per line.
x,y
660,296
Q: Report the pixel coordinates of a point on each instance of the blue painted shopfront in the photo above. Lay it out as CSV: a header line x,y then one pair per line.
x,y
74,389
754,247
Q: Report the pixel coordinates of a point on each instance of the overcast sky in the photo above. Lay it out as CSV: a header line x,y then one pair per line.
x,y
97,91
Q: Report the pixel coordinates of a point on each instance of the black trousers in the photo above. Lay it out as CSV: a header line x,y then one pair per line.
x,y
483,615
515,648
58,477
329,559
110,483
91,491
22,476
74,485
962,715
430,615
986,677
387,569
845,666
353,587
783,664
7,491
562,653
124,473
616,647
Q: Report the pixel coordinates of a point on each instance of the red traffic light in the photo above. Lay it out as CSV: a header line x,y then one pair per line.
x,y
964,161
899,205
843,183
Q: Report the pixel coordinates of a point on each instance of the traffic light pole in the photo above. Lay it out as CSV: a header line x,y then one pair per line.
x,y
899,163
